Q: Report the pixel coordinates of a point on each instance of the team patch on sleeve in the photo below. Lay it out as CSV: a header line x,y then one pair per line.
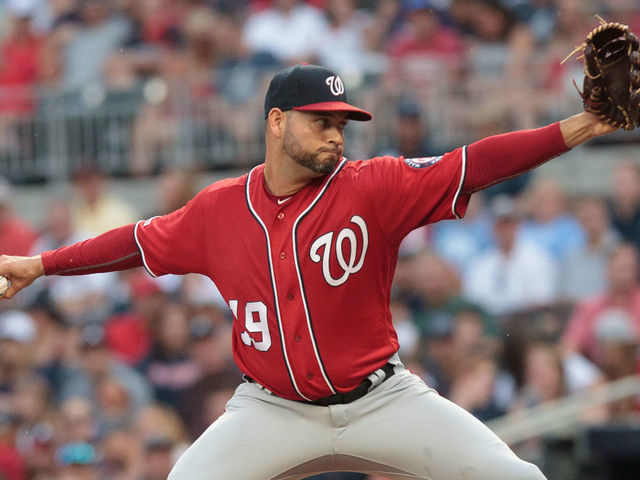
x,y
422,162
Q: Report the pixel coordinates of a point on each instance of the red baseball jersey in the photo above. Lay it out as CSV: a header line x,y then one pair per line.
x,y
308,277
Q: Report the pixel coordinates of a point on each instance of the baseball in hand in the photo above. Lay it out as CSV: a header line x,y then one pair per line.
x,y
4,285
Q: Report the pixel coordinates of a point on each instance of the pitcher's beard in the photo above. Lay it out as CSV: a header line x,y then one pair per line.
x,y
310,160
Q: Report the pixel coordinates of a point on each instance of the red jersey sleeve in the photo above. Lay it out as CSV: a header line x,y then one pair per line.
x,y
411,192
173,243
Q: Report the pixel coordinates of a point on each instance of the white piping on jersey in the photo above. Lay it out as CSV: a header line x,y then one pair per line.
x,y
462,175
144,258
297,263
273,285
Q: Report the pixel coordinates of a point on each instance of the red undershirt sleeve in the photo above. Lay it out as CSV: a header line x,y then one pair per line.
x,y
505,156
112,251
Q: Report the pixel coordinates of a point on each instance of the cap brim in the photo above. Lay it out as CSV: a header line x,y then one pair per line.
x,y
353,113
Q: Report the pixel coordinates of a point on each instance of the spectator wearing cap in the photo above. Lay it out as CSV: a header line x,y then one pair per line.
x,y
617,341
158,458
16,235
98,365
622,294
77,461
158,421
515,275
128,333
409,136
122,455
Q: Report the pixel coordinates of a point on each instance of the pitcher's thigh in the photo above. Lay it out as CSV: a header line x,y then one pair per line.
x,y
411,428
252,440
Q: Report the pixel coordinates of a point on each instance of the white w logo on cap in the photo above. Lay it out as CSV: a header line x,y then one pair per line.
x,y
335,84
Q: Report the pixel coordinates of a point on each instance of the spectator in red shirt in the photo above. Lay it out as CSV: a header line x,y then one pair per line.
x,y
16,235
622,295
421,50
19,62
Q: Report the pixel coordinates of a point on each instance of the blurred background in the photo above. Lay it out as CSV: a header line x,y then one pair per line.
x,y
526,313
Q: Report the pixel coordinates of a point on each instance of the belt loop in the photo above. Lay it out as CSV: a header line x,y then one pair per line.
x,y
380,375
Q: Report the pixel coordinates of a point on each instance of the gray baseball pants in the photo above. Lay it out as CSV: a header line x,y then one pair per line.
x,y
402,429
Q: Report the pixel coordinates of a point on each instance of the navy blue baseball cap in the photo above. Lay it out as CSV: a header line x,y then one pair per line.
x,y
310,88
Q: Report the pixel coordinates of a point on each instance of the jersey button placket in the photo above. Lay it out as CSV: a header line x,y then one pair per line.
x,y
280,216
283,255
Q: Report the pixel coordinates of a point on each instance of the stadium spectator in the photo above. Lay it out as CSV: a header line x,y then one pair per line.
x,y
410,136
78,300
515,275
584,270
288,29
549,224
500,48
625,201
20,69
425,50
98,368
545,379
473,383
618,342
622,293
349,42
77,461
158,459
18,335
572,19
21,54
85,46
209,349
121,455
77,422
96,209
16,235
438,286
12,465
460,242
169,369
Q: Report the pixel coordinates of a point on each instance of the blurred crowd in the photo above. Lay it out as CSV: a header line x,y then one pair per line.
x,y
531,297
163,82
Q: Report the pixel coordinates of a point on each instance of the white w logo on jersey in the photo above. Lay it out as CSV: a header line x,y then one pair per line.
x,y
349,267
335,84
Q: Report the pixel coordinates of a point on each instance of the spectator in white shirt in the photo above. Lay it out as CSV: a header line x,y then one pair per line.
x,y
515,275
289,30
